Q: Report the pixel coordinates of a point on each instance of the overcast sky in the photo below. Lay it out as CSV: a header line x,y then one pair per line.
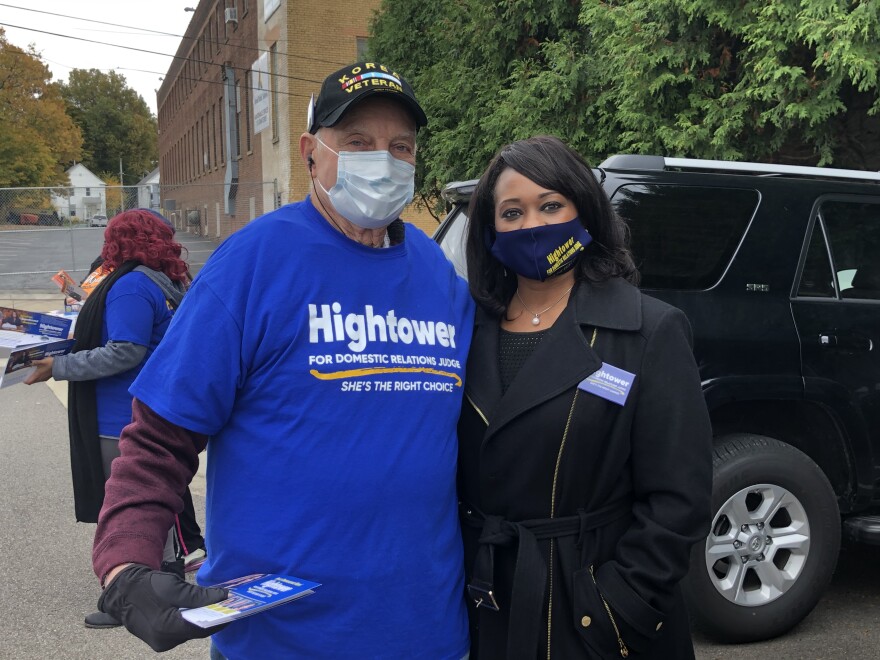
x,y
113,47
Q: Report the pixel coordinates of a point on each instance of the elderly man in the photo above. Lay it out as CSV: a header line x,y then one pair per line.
x,y
319,355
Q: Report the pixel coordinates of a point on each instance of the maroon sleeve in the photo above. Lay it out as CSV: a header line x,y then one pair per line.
x,y
157,461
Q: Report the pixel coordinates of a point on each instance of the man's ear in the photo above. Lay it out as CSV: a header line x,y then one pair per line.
x,y
307,145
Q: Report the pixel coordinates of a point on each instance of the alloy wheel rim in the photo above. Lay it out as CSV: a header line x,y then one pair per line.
x,y
758,545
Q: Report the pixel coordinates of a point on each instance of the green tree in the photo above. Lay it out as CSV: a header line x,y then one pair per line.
x,y
460,56
115,122
37,139
768,80
765,80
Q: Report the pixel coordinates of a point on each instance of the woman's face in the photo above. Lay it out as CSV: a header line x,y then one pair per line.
x,y
520,203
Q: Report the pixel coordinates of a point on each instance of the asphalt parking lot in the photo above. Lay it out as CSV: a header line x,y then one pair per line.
x,y
48,586
46,579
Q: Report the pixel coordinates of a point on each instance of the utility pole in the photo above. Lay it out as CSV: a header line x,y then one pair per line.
x,y
121,187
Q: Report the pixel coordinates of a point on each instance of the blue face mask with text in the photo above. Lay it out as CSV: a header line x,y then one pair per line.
x,y
540,252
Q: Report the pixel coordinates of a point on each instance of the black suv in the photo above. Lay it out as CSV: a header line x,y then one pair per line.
x,y
778,269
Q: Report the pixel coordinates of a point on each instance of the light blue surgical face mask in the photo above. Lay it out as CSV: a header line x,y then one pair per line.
x,y
372,187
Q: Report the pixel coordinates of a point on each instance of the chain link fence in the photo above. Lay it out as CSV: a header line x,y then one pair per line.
x,y
43,230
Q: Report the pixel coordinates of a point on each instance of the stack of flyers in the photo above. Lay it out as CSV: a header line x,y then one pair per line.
x,y
21,359
248,595
34,323
68,286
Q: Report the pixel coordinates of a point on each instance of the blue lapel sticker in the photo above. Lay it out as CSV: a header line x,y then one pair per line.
x,y
610,383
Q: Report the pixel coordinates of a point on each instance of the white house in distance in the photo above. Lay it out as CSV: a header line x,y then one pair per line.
x,y
148,191
86,197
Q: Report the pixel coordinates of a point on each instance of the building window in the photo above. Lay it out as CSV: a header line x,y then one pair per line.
x,y
214,131
362,47
203,164
88,192
238,119
194,137
273,87
222,140
247,111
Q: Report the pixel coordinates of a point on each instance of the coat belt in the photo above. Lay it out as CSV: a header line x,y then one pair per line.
x,y
530,573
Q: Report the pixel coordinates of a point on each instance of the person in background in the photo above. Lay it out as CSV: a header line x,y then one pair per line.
x,y
319,357
190,544
120,325
585,446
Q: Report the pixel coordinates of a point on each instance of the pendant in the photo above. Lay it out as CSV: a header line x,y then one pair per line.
x,y
536,320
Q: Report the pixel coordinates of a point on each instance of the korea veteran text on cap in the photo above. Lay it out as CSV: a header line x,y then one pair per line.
x,y
354,83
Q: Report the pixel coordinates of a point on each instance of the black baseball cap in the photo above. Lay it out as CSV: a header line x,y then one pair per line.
x,y
355,82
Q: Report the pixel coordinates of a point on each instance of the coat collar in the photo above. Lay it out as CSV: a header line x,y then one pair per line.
x,y
562,359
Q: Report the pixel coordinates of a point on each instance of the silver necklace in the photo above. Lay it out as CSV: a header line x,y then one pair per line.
x,y
536,316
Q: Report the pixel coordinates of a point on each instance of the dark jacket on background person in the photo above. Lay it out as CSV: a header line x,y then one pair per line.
x,y
545,449
90,360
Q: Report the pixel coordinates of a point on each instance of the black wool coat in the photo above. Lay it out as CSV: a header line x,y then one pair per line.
x,y
627,486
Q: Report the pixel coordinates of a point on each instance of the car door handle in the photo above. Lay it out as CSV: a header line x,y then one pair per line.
x,y
828,340
848,342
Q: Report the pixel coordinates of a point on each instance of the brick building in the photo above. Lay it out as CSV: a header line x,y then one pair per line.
x,y
233,105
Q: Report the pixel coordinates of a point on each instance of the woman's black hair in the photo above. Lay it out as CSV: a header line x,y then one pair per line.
x,y
551,164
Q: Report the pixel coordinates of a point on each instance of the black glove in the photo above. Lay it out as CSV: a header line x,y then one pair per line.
x,y
147,602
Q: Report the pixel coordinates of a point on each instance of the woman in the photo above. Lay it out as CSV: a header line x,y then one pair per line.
x,y
584,459
119,327
191,543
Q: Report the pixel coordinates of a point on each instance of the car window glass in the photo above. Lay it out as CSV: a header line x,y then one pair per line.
x,y
683,237
817,280
453,242
854,234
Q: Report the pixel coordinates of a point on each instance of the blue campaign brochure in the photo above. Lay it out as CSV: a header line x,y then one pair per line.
x,y
18,365
610,383
47,325
249,595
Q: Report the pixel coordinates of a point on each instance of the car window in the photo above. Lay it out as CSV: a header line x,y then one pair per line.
x,y
853,229
683,237
452,235
817,279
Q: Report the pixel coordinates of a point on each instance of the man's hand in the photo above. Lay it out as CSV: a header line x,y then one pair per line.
x,y
147,602
42,372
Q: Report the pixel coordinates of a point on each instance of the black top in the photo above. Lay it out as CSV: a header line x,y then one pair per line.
x,y
514,348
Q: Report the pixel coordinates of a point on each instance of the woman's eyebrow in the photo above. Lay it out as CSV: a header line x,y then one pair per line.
x,y
541,196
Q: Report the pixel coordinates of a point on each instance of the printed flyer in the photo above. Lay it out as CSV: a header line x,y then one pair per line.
x,y
249,595
35,323
17,365
68,286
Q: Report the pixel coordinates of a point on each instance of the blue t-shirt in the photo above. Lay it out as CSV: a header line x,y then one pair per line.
x,y
135,311
329,377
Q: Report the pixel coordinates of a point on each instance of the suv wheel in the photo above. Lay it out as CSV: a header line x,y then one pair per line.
x,y
773,544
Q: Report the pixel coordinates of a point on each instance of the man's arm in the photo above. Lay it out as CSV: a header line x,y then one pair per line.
x,y
158,460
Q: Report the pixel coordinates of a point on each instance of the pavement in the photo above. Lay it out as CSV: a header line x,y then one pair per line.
x,y
46,577
46,580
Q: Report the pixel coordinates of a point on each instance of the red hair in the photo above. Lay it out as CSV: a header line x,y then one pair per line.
x,y
139,235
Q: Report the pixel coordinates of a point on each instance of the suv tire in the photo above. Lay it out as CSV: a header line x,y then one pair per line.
x,y
773,544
